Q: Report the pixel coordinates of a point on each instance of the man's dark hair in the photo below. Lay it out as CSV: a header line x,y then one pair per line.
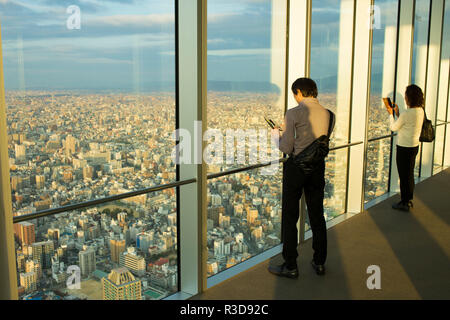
x,y
414,96
307,87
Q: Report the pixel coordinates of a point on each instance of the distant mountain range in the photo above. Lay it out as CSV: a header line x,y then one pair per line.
x,y
326,85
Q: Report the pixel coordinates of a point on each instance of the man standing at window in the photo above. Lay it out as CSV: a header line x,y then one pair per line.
x,y
302,126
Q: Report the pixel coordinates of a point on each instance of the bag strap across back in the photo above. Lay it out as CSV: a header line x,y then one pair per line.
x,y
330,127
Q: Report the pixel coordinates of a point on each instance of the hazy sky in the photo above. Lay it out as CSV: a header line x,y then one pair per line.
x,y
129,44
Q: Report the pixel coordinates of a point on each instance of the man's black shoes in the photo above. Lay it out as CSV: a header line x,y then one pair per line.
x,y
283,271
402,206
319,268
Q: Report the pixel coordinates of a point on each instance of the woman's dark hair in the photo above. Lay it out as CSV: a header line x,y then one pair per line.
x,y
414,96
307,87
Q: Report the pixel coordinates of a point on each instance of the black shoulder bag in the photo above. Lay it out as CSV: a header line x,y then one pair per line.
x,y
427,134
312,156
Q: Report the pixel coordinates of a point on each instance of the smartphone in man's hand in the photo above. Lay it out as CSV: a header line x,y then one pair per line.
x,y
272,124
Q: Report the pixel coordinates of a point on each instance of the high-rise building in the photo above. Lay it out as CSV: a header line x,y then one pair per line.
x,y
16,183
121,285
87,262
20,262
132,261
117,247
28,281
71,145
252,215
53,234
25,233
43,252
144,240
20,151
40,181
88,172
33,266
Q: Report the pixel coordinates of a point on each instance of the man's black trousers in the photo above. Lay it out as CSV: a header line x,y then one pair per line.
x,y
295,182
406,161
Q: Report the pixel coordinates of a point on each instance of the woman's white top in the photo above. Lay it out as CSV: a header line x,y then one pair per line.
x,y
409,126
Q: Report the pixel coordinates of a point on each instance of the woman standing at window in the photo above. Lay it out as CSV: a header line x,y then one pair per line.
x,y
409,126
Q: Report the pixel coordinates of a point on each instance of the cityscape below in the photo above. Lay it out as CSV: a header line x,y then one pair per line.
x,y
68,147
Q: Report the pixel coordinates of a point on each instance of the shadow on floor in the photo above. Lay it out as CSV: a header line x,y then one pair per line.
x,y
411,249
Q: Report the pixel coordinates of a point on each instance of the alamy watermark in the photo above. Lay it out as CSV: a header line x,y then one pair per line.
x,y
74,20
374,281
227,147
74,280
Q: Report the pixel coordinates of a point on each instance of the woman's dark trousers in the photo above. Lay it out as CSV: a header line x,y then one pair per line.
x,y
406,161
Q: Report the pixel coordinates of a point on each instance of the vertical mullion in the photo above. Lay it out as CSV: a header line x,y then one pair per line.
x,y
8,272
446,152
403,71
191,89
432,79
298,48
367,105
395,89
360,98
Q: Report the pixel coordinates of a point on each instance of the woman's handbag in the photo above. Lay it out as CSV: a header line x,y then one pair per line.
x,y
427,134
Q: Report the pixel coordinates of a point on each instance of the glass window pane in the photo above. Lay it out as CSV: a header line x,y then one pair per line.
x,y
90,93
246,82
420,49
331,57
335,185
90,98
420,54
382,85
443,100
377,175
383,66
244,217
246,71
118,238
439,148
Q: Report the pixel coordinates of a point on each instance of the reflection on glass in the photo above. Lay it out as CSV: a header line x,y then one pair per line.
x,y
90,99
420,49
382,85
331,52
246,82
246,70
417,167
442,106
439,148
377,174
244,218
330,68
420,54
135,238
383,67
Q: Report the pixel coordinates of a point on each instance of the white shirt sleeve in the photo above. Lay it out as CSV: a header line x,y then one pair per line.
x,y
397,125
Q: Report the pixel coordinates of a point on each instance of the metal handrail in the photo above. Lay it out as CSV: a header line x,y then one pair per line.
x,y
95,202
92,203
442,124
262,165
383,137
